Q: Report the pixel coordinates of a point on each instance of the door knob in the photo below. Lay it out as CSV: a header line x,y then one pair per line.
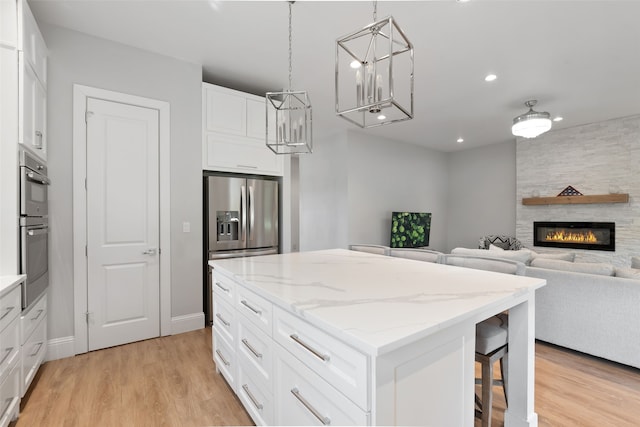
x,y
151,251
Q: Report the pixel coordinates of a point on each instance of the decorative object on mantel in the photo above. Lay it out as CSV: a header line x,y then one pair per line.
x,y
577,200
570,191
532,123
292,119
374,74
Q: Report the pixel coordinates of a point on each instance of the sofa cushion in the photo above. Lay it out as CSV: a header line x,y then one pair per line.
x,y
628,273
576,267
635,262
522,255
564,256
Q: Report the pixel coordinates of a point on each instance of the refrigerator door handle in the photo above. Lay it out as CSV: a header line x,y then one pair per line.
x,y
243,209
251,212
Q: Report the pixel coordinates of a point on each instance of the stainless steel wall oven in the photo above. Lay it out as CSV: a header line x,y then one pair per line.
x,y
34,227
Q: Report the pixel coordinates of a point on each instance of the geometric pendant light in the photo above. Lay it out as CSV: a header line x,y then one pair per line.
x,y
289,128
374,74
532,123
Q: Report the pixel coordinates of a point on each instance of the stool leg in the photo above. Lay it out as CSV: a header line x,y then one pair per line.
x,y
487,392
503,370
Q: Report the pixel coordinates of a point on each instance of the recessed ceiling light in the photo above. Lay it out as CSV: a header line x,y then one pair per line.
x,y
557,119
355,64
382,117
460,140
490,77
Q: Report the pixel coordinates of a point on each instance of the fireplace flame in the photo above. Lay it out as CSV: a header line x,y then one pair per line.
x,y
573,237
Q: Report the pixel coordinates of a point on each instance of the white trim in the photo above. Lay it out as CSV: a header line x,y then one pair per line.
x,y
80,95
59,348
187,323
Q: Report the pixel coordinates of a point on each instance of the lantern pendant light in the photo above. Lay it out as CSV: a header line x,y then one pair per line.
x,y
374,74
288,113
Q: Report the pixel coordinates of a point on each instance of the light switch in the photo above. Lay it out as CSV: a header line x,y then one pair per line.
x,y
186,227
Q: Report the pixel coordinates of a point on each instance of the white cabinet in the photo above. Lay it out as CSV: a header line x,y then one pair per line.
x,y
10,306
8,23
234,125
33,337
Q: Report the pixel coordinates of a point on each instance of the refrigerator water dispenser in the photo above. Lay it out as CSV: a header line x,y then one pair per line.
x,y
227,225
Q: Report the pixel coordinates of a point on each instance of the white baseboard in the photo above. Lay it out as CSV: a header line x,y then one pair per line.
x,y
187,323
59,348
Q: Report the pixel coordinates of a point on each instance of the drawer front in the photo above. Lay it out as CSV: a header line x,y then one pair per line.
x,y
30,320
9,348
10,307
33,352
224,320
257,401
225,358
342,366
303,398
223,288
255,308
255,352
10,396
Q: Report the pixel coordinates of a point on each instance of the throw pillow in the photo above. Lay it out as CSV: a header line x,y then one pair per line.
x,y
493,247
628,273
635,262
576,267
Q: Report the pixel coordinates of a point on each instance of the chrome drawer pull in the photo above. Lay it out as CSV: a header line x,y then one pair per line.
x,y
222,287
6,312
39,345
250,347
33,319
224,322
7,353
226,363
324,420
324,357
253,399
255,310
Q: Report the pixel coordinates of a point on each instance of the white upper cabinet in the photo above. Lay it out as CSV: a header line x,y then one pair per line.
x,y
8,23
32,43
234,125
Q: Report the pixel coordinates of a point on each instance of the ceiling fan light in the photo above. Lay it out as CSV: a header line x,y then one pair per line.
x,y
532,123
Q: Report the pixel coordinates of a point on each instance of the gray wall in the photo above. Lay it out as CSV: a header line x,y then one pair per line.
x,y
482,194
78,58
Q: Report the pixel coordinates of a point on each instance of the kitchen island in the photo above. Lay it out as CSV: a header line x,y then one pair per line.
x,y
348,338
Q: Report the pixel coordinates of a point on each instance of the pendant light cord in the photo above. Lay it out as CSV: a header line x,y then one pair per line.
x,y
290,4
375,10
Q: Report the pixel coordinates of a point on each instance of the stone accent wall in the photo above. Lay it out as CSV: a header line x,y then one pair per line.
x,y
599,158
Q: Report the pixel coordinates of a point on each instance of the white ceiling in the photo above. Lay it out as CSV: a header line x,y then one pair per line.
x,y
580,59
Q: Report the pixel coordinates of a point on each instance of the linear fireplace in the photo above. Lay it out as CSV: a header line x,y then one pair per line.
x,y
599,236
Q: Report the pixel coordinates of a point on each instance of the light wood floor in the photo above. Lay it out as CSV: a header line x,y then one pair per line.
x,y
171,381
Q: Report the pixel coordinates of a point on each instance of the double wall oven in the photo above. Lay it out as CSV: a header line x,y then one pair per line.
x,y
34,227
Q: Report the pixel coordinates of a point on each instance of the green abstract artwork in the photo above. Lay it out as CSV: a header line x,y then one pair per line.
x,y
410,229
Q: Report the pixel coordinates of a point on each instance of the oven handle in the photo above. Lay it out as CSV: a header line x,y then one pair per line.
x,y
36,177
38,231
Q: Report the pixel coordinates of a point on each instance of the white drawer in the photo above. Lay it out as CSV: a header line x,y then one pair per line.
x,y
33,352
255,353
257,401
225,358
10,306
303,398
30,319
223,288
342,366
257,309
9,348
10,396
224,320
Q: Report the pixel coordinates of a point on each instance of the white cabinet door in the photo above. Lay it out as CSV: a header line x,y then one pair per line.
x,y
230,153
32,110
33,45
8,23
256,118
225,111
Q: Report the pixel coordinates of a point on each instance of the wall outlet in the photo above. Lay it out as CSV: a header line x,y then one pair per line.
x,y
186,227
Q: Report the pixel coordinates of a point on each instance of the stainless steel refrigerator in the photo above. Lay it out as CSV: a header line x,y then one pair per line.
x,y
242,220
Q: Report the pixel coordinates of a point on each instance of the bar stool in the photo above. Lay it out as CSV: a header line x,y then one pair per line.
x,y
491,345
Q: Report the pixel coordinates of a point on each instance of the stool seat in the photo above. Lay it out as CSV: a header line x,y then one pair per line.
x,y
490,335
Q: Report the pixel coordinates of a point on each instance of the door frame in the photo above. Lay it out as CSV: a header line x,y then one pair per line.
x,y
80,280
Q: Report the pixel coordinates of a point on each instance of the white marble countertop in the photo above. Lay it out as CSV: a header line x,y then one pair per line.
x,y
373,302
7,283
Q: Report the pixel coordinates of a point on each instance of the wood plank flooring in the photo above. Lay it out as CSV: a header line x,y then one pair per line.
x,y
171,381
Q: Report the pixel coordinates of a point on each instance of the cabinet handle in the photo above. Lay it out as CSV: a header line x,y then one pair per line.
x,y
250,347
39,135
33,319
7,353
6,312
324,420
222,287
224,322
39,346
324,357
255,310
253,399
247,166
225,361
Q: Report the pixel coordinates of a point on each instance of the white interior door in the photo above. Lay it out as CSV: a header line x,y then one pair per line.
x,y
123,268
